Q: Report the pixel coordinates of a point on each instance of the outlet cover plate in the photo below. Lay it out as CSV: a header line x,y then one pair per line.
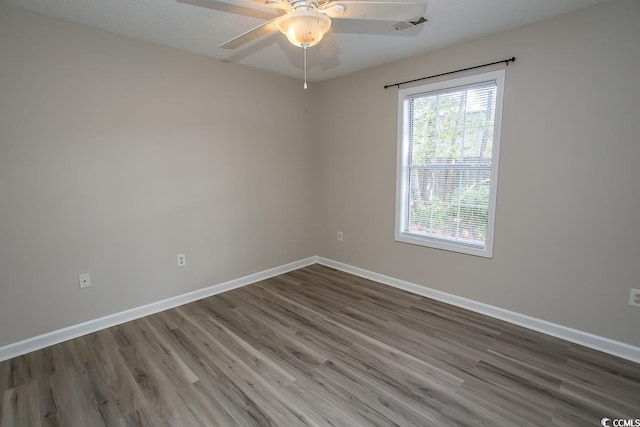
x,y
84,280
182,260
634,298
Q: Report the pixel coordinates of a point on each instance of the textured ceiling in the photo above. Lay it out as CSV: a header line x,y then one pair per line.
x,y
201,30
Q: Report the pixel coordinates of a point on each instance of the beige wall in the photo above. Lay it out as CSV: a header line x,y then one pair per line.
x,y
117,154
567,240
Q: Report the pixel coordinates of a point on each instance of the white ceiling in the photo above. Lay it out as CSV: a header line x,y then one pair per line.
x,y
200,30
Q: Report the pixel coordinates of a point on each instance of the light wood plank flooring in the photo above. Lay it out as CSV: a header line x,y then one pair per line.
x,y
317,347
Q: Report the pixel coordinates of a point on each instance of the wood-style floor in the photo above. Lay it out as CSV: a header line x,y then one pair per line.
x,y
317,347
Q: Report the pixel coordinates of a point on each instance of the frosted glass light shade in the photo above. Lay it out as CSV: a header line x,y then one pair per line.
x,y
304,27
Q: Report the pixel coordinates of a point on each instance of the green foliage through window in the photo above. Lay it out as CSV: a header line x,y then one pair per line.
x,y
450,155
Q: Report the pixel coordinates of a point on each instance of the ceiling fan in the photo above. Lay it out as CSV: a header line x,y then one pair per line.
x,y
305,22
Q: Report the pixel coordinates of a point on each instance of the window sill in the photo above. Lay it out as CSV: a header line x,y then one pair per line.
x,y
441,244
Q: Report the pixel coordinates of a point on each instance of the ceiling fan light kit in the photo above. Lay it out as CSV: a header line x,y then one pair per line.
x,y
304,28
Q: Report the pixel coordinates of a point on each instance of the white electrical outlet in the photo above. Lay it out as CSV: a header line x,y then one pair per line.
x,y
340,236
634,298
182,260
84,280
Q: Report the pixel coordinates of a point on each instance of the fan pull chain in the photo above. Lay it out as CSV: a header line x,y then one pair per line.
x,y
304,46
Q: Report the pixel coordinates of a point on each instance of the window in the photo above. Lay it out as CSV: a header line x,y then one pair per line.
x,y
448,145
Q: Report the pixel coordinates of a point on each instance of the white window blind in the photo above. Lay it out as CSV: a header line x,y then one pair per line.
x,y
448,142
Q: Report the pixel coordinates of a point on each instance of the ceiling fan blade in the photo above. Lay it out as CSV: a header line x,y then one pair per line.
x,y
280,4
248,10
252,34
380,11
333,11
374,28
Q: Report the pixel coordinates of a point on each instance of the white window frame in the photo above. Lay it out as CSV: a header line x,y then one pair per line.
x,y
402,167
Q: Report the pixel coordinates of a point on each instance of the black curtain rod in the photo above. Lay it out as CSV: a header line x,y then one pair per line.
x,y
506,61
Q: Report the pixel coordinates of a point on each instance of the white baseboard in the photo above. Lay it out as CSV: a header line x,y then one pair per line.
x,y
616,348
74,331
